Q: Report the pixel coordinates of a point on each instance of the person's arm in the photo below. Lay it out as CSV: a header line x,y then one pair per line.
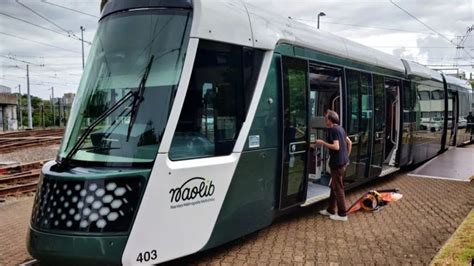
x,y
349,145
333,146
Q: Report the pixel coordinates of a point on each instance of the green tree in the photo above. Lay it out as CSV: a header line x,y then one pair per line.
x,y
41,110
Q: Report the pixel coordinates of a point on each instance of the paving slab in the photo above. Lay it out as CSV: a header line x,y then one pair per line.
x,y
409,231
455,164
14,219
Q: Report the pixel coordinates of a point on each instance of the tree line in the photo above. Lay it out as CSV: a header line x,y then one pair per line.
x,y
42,112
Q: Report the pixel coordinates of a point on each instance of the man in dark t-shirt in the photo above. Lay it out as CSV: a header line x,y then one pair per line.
x,y
340,147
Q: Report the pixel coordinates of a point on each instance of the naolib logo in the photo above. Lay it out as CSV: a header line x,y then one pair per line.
x,y
191,189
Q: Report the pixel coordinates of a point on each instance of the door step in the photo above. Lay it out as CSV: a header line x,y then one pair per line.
x,y
390,159
386,170
315,199
315,193
392,156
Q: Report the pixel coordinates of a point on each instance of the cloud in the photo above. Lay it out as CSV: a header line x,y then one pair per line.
x,y
404,53
30,38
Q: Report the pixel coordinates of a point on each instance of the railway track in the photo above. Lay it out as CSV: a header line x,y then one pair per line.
x,y
12,141
20,179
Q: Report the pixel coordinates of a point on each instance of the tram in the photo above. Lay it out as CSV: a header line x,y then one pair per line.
x,y
193,122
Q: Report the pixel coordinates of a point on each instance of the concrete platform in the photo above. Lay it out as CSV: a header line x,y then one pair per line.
x,y
454,164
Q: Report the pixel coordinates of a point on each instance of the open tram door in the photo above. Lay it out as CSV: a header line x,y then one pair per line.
x,y
453,117
392,125
386,126
295,132
308,91
324,93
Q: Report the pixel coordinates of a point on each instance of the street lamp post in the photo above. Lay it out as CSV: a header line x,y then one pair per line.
x,y
321,14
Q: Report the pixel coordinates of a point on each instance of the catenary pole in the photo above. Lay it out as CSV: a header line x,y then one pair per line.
x,y
82,40
19,107
30,117
53,106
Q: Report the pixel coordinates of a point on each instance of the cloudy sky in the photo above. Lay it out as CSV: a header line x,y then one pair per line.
x,y
45,33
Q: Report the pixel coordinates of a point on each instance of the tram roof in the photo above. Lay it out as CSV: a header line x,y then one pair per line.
x,y
419,70
235,22
458,82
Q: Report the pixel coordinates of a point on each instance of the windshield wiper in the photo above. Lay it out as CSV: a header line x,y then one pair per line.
x,y
138,98
89,129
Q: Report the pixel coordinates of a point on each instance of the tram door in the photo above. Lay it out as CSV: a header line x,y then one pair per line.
x,y
295,132
379,127
360,123
391,120
454,117
385,124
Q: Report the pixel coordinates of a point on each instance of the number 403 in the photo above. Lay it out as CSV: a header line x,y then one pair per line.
x,y
147,256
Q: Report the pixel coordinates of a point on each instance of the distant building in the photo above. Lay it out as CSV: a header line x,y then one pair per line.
x,y
5,89
68,98
458,73
8,109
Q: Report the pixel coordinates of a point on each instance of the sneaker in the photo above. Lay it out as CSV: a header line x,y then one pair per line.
x,y
325,213
338,218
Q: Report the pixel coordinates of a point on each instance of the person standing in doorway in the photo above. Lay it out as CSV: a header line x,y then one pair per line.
x,y
340,147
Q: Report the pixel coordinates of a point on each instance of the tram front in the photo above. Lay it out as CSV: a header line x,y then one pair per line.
x,y
88,197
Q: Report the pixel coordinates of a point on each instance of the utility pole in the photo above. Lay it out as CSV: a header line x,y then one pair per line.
x,y
64,114
59,113
52,106
19,107
18,98
82,40
30,117
42,115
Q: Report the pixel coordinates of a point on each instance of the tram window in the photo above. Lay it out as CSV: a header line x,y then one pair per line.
x,y
379,103
450,95
324,94
353,103
217,100
409,102
439,114
424,95
437,95
366,99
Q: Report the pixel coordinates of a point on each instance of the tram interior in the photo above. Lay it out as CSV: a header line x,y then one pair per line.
x,y
325,87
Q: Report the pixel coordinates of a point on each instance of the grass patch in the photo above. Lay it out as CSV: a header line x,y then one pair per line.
x,y
459,250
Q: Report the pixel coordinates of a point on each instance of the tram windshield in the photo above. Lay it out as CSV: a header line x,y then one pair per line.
x,y
124,45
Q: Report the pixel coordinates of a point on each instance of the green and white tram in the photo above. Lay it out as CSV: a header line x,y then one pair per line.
x,y
192,126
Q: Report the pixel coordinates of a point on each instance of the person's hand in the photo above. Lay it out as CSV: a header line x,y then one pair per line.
x,y
319,142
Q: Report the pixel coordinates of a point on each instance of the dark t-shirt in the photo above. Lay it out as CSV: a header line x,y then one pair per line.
x,y
340,157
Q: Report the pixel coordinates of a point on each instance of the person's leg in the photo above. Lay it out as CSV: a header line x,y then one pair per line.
x,y
332,202
338,189
332,196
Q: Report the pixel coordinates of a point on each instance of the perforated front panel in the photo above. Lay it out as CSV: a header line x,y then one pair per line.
x,y
86,205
